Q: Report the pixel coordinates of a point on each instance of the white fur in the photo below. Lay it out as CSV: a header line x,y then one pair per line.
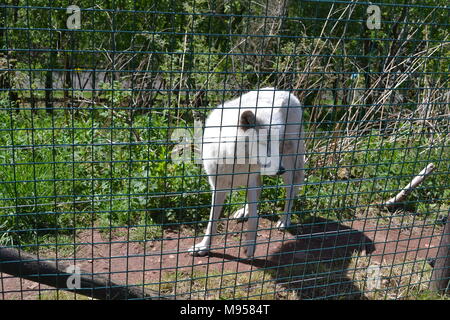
x,y
274,109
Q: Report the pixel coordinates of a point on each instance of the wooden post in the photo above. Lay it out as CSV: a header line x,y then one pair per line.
x,y
441,270
20,264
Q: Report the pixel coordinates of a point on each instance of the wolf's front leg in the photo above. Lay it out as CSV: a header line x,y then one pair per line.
x,y
293,178
202,248
253,195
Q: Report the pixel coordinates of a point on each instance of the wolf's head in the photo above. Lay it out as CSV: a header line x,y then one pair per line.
x,y
261,136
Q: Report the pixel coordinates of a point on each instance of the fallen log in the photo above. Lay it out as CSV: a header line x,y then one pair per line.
x,y
52,273
411,186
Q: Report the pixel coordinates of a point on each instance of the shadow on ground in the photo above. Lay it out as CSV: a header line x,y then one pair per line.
x,y
316,264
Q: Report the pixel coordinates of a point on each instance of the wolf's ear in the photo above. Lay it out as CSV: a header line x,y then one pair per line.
x,y
247,120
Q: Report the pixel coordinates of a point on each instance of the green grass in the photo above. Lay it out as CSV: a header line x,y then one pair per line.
x,y
407,280
336,280
343,184
100,168
70,170
61,295
199,285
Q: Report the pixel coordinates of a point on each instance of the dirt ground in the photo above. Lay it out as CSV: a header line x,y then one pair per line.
x,y
152,262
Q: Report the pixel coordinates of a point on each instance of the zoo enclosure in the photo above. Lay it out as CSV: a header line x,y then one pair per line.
x,y
91,93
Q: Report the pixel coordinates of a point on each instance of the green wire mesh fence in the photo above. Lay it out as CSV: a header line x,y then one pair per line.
x,y
102,109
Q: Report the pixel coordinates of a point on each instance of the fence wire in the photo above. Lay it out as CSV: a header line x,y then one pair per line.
x,y
103,107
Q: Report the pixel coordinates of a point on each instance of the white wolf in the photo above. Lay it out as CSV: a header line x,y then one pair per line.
x,y
258,133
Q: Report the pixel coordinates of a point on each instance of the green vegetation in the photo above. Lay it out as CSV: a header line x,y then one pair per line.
x,y
70,171
86,115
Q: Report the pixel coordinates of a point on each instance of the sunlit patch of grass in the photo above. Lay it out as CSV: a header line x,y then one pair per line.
x,y
61,295
360,278
251,285
407,280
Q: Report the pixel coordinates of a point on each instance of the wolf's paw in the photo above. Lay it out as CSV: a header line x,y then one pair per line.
x,y
241,214
283,225
199,250
249,248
